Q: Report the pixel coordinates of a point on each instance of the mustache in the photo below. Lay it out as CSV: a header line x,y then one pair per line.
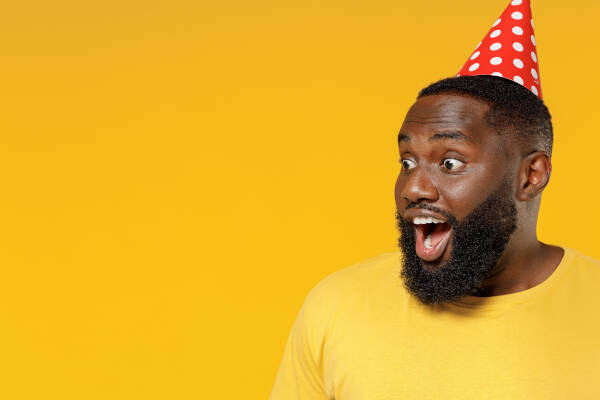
x,y
452,220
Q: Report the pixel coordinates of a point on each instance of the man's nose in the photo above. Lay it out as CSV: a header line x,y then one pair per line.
x,y
419,187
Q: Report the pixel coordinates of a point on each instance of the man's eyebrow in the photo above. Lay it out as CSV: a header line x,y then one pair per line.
x,y
451,135
403,137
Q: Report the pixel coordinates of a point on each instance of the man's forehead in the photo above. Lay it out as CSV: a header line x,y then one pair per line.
x,y
446,109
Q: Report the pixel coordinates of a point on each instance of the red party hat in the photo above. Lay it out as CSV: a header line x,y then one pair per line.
x,y
508,50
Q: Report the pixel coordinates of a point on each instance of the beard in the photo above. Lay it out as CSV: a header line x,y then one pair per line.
x,y
478,242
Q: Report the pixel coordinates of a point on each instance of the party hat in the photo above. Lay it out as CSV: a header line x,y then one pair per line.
x,y
508,50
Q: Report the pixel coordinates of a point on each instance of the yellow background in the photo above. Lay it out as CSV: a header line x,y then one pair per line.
x,y
176,175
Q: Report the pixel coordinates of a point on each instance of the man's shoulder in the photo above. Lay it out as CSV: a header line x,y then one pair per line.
x,y
363,271
357,279
577,279
584,258
583,262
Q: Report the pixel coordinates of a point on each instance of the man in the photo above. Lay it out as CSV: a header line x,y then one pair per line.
x,y
472,306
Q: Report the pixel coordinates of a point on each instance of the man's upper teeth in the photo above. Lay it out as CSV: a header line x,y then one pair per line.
x,y
426,220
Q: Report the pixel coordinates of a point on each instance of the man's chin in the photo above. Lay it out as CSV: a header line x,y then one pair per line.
x,y
442,280
431,282
432,266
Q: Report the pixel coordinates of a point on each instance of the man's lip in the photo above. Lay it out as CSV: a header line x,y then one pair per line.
x,y
413,213
435,254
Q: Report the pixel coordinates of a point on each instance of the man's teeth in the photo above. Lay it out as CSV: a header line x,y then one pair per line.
x,y
427,242
426,220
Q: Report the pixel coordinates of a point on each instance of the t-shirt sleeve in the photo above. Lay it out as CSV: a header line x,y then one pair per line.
x,y
301,372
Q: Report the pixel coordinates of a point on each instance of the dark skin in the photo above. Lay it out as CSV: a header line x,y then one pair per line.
x,y
452,160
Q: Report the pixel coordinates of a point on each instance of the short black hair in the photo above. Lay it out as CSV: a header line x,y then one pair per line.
x,y
512,106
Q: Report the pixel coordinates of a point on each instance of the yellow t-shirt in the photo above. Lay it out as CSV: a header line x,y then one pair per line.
x,y
360,335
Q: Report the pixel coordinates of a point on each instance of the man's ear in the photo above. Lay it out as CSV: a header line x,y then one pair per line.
x,y
534,175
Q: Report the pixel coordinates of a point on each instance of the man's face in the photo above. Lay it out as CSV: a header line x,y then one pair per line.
x,y
454,197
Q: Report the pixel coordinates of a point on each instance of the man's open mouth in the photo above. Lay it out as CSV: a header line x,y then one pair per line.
x,y
432,237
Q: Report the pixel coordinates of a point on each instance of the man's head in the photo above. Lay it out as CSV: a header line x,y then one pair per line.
x,y
475,154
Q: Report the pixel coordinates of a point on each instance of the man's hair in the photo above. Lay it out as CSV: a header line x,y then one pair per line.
x,y
512,107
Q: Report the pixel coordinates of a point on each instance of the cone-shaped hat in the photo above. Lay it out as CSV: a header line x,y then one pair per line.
x,y
508,50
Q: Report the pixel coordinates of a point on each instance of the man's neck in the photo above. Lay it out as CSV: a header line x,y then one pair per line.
x,y
523,265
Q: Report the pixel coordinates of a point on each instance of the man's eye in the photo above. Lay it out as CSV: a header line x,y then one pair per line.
x,y
407,164
452,164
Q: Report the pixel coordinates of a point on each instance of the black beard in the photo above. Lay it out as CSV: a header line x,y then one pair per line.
x,y
477,244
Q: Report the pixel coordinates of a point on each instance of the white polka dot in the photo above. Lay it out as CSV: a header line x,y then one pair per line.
x,y
495,46
517,15
533,39
496,61
534,73
517,30
496,33
475,55
497,22
497,74
517,46
516,2
474,67
533,56
534,90
518,79
518,63
476,47
532,23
